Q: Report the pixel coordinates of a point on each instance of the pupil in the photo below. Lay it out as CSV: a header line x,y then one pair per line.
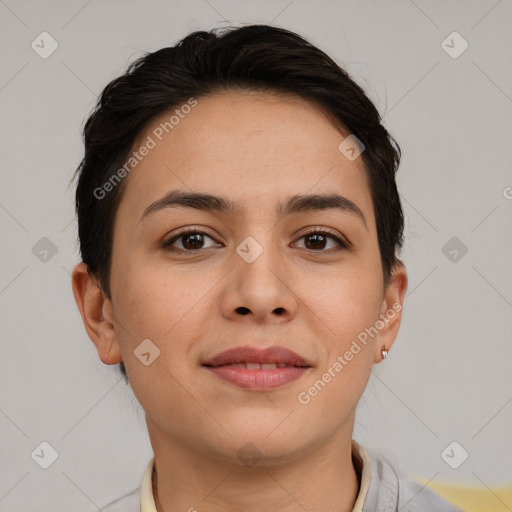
x,y
317,238
197,240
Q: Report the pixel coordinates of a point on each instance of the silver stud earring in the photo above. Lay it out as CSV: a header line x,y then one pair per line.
x,y
384,352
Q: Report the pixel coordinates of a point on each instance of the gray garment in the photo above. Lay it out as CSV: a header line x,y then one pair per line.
x,y
388,492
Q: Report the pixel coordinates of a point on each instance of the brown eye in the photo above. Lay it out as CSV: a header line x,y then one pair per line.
x,y
318,240
192,240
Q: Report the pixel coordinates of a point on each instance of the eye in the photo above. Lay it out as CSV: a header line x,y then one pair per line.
x,y
190,241
317,240
193,240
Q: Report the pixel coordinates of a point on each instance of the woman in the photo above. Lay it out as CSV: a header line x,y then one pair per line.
x,y
239,225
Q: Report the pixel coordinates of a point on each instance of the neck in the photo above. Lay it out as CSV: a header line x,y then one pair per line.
x,y
322,479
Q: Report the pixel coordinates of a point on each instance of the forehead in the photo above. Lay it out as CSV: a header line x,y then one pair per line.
x,y
254,147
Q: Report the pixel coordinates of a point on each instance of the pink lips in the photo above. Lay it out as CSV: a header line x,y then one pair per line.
x,y
259,369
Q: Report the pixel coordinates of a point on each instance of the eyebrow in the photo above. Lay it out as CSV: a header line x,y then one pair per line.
x,y
294,204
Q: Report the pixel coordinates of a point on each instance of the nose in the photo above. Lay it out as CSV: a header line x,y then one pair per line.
x,y
259,290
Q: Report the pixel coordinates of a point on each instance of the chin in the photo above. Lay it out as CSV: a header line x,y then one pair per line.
x,y
260,445
253,454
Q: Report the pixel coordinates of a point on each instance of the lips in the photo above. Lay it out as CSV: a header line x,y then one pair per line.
x,y
254,358
258,369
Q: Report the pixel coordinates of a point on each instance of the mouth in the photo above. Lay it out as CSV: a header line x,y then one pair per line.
x,y
258,369
274,355
256,366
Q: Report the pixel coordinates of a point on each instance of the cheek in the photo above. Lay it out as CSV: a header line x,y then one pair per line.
x,y
158,296
167,308
336,386
345,302
343,312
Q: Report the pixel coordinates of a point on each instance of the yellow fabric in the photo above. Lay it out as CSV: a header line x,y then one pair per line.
x,y
474,499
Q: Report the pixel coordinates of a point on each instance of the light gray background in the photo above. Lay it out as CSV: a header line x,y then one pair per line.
x,y
448,377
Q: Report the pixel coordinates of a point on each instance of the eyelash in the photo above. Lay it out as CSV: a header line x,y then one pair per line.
x,y
167,245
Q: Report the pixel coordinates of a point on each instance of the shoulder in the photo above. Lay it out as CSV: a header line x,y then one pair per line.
x,y
390,491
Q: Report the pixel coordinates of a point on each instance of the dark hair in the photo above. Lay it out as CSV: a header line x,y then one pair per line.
x,y
254,57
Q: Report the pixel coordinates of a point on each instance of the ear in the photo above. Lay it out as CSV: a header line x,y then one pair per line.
x,y
391,311
97,314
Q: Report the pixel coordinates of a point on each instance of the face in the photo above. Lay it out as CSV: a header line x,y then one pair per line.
x,y
308,278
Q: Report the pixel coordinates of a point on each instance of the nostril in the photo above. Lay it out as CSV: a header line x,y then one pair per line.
x,y
243,310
